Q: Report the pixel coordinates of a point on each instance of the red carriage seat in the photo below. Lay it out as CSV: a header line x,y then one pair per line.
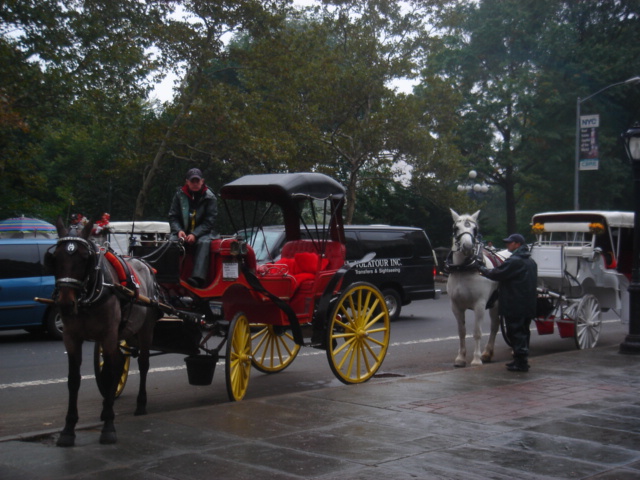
x,y
334,252
303,262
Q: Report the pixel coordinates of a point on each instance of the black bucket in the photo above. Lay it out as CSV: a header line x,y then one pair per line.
x,y
200,368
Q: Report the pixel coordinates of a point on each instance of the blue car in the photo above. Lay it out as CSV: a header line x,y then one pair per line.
x,y
22,278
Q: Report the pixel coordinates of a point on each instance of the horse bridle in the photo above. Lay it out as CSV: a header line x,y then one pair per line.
x,y
473,235
89,294
71,248
471,262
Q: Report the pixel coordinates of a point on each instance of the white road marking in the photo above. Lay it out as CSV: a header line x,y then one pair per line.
x,y
51,381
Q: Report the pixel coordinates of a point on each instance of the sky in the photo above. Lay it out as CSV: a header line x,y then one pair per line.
x,y
163,91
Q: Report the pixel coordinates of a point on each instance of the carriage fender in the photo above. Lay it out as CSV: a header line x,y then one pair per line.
x,y
238,298
607,288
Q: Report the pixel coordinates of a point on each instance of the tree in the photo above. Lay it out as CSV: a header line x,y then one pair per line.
x,y
195,46
487,57
518,66
329,76
69,68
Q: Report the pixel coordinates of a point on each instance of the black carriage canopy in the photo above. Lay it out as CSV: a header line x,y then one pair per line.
x,y
289,190
282,187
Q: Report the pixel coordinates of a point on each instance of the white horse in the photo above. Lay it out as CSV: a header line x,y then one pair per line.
x,y
468,290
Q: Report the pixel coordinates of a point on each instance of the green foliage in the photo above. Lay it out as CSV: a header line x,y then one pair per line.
x,y
266,87
74,74
518,67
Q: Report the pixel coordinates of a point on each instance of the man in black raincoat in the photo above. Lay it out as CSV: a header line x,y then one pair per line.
x,y
518,278
192,215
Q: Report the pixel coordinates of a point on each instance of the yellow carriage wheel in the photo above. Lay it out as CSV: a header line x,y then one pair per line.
x,y
358,333
273,348
238,359
98,364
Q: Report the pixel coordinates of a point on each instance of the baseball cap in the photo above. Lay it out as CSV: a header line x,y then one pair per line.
x,y
194,173
515,237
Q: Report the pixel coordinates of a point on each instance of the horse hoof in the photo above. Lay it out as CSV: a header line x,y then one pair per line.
x,y
140,411
66,440
476,363
460,364
486,358
108,438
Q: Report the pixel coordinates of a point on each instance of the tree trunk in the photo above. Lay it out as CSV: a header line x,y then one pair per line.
x,y
187,101
351,197
510,199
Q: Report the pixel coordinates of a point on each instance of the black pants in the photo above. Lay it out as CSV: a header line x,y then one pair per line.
x,y
519,333
201,255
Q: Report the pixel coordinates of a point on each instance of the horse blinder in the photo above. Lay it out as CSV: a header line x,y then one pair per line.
x,y
70,249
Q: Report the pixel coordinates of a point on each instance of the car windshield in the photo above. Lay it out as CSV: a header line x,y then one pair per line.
x,y
265,243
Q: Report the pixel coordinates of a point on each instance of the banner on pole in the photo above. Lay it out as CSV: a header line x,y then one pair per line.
x,y
589,156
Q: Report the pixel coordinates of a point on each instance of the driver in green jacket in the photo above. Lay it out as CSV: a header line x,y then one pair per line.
x,y
192,216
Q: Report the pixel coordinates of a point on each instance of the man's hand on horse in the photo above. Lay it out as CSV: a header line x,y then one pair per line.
x,y
483,270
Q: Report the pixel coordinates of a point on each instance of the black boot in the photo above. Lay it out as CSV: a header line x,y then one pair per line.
x,y
518,365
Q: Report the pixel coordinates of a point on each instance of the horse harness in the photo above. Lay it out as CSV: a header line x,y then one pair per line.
x,y
92,286
471,262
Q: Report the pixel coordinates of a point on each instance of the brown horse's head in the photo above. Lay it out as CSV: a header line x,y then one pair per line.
x,y
71,262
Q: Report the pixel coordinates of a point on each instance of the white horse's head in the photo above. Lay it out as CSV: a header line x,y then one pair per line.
x,y
465,230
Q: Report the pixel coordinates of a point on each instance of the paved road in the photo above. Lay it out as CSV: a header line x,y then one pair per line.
x,y
33,370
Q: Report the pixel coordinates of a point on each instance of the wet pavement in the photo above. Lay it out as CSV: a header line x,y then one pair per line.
x,y
575,414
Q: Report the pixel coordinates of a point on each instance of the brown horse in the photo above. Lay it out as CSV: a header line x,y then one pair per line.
x,y
93,309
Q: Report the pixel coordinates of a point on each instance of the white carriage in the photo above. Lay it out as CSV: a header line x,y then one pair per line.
x,y
584,267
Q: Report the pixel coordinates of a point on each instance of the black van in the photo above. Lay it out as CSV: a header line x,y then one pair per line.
x,y
403,269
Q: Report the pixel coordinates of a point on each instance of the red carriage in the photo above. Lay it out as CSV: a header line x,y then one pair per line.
x,y
261,315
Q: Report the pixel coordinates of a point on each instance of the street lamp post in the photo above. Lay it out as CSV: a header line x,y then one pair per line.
x,y
474,189
631,343
576,177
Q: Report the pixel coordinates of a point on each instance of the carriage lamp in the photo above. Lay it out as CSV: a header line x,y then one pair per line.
x,y
631,343
632,142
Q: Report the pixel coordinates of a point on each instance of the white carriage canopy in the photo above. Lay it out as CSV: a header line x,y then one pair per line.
x,y
146,233
610,231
